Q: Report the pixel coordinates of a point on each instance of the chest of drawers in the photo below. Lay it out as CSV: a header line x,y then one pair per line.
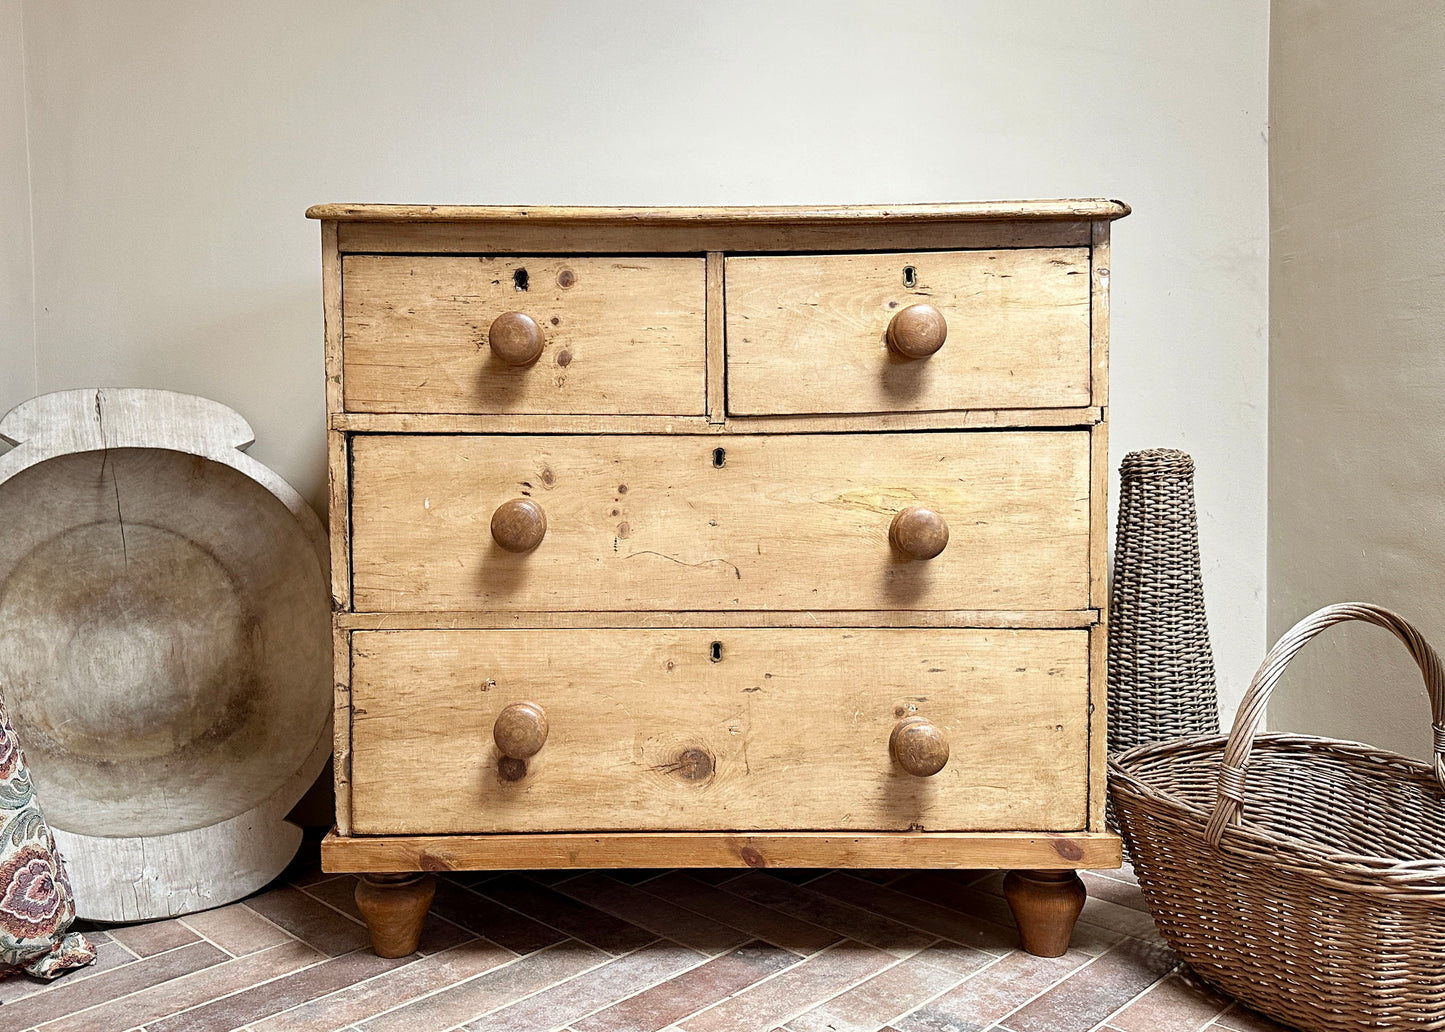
x,y
711,537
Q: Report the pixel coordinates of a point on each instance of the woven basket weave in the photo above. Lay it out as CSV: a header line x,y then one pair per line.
x,y
1303,875
1161,669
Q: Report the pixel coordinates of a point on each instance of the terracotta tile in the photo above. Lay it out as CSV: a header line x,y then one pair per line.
x,y
175,995
551,876
941,889
1240,1018
67,996
637,875
761,922
1174,1005
261,1001
773,1002
145,940
489,991
654,913
482,916
237,929
714,875
1124,873
587,924
879,877
468,879
892,992
992,993
1096,992
338,893
386,991
592,990
91,932
951,924
810,905
108,955
1126,894
690,991
311,921
797,875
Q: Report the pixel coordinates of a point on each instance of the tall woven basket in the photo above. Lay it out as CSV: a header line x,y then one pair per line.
x,y
1303,875
1161,668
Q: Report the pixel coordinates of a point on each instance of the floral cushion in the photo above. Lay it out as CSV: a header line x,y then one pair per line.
x,y
36,904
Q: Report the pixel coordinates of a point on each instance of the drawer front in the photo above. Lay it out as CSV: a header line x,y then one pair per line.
x,y
787,729
620,335
808,334
760,522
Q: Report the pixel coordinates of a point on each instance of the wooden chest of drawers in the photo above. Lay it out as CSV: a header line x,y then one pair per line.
x,y
718,537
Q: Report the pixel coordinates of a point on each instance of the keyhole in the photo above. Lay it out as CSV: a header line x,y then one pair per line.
x,y
910,277
519,279
716,653
719,456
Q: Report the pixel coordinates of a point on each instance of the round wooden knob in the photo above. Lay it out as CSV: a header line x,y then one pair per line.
x,y
918,533
519,525
918,747
516,338
520,730
917,331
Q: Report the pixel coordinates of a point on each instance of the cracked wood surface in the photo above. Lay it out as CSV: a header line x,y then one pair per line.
x,y
165,657
787,729
787,522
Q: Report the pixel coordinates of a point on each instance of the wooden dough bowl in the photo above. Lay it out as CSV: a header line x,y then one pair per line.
x,y
164,645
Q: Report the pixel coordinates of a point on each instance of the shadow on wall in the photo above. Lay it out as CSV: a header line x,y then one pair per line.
x,y
258,351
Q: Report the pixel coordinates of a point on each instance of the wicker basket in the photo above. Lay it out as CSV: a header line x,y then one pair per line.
x,y
1303,875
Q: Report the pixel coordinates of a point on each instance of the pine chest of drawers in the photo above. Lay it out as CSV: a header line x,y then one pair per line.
x,y
709,537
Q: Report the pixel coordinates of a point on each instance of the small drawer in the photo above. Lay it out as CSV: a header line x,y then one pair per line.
x,y
708,730
616,335
810,333
795,522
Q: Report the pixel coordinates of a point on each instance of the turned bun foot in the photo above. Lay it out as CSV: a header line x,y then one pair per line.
x,y
1046,904
394,906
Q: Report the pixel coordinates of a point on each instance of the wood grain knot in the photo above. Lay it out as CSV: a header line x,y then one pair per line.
x,y
509,768
752,857
1068,849
694,764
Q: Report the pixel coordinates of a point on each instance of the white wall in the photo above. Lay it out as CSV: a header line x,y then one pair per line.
x,y
1357,356
17,294
176,144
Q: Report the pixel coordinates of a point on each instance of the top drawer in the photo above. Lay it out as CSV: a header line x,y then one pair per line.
x,y
621,336
808,334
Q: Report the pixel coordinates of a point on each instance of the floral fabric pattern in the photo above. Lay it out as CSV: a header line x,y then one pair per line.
x,y
36,903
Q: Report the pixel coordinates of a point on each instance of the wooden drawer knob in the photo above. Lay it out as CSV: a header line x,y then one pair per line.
x,y
520,730
918,747
918,533
519,525
917,331
516,338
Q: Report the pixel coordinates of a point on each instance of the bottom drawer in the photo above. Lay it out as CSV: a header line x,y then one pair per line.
x,y
715,730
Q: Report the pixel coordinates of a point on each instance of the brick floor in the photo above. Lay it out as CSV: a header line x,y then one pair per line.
x,y
629,951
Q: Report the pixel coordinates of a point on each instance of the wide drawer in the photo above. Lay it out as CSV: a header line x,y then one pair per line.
x,y
760,522
808,334
781,728
620,335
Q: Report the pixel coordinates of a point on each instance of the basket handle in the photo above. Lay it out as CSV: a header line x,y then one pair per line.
x,y
1229,798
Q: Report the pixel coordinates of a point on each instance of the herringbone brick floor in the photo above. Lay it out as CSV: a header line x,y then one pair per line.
x,y
637,951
